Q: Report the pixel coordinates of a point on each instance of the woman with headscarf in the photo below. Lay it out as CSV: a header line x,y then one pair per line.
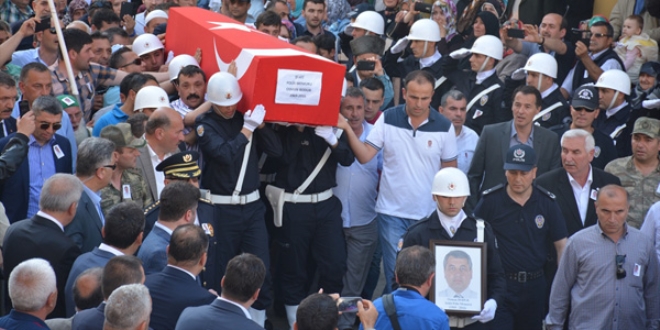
x,y
76,10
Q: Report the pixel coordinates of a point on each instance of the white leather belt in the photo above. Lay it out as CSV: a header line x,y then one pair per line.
x,y
311,198
235,200
267,178
460,322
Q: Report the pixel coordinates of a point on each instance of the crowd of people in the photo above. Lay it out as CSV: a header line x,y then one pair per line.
x,y
140,195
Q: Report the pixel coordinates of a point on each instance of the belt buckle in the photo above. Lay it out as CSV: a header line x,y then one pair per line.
x,y
314,198
243,200
522,277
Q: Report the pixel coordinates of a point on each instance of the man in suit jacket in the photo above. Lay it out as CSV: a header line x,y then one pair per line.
x,y
486,170
245,273
43,236
118,271
122,235
96,161
87,294
178,207
576,183
176,287
20,192
163,132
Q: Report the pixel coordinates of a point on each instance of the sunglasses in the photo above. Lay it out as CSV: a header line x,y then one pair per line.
x,y
137,61
112,167
600,35
584,109
620,272
45,125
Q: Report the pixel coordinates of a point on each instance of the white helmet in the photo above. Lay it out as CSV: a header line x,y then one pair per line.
x,y
425,30
542,63
223,89
450,182
488,45
370,21
150,97
614,79
146,43
178,63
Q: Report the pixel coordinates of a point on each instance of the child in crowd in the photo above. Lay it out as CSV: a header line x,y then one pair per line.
x,y
634,47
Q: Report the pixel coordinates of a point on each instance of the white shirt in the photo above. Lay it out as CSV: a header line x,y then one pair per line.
x,y
466,143
108,248
611,112
160,176
581,194
139,23
51,218
185,271
245,311
161,226
451,223
481,76
428,61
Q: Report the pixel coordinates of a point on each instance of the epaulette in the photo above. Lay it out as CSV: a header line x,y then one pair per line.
x,y
151,207
545,191
204,200
490,190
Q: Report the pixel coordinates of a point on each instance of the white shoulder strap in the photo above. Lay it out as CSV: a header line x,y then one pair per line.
x,y
241,175
483,92
481,225
318,168
545,111
439,82
616,132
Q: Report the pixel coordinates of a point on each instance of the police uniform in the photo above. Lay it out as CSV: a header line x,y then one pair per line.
x,y
240,215
555,111
312,226
183,165
522,234
430,228
617,126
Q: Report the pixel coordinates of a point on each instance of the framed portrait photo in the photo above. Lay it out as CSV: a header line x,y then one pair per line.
x,y
459,287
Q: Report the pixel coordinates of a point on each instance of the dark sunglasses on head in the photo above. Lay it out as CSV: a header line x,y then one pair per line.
x,y
137,61
112,167
44,126
584,109
620,272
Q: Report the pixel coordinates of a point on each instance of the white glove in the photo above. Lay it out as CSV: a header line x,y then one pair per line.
x,y
400,45
253,118
460,53
488,313
651,104
327,133
215,5
519,74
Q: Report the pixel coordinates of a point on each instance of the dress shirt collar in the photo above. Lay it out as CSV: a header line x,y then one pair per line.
x,y
451,222
161,226
51,218
245,311
183,270
514,135
549,90
590,178
600,230
597,54
428,61
613,111
483,75
33,142
108,248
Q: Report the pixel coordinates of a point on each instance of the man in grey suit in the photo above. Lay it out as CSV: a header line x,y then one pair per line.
x,y
486,170
96,161
163,132
240,288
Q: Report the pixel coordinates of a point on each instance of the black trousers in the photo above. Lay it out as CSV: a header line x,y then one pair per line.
x,y
524,306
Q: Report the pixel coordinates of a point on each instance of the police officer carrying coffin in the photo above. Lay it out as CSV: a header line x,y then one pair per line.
x,y
307,211
183,166
228,140
524,218
450,223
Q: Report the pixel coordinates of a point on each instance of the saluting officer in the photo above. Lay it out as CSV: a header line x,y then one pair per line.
x,y
524,218
450,223
183,166
228,140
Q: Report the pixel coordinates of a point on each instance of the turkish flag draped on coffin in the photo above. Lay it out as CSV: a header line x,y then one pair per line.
x,y
294,85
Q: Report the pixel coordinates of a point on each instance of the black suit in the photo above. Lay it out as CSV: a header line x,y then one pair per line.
x,y
556,181
85,229
41,238
172,291
9,124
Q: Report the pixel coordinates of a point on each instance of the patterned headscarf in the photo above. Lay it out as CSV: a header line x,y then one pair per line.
x,y
73,6
449,11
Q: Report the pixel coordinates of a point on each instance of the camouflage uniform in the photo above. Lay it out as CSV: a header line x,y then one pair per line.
x,y
111,196
643,190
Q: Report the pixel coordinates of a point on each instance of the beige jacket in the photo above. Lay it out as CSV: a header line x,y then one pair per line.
x,y
625,8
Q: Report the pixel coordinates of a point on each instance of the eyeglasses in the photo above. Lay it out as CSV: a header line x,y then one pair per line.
x,y
112,167
45,125
584,109
52,30
620,272
137,61
600,35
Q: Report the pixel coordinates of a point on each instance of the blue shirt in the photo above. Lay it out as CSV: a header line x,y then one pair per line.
x,y
41,160
23,57
413,312
514,137
96,199
357,188
66,131
111,97
21,321
113,117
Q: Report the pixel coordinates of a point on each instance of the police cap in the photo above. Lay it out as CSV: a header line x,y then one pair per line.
x,y
181,165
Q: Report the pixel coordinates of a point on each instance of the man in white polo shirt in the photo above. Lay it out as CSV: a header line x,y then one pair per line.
x,y
416,143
